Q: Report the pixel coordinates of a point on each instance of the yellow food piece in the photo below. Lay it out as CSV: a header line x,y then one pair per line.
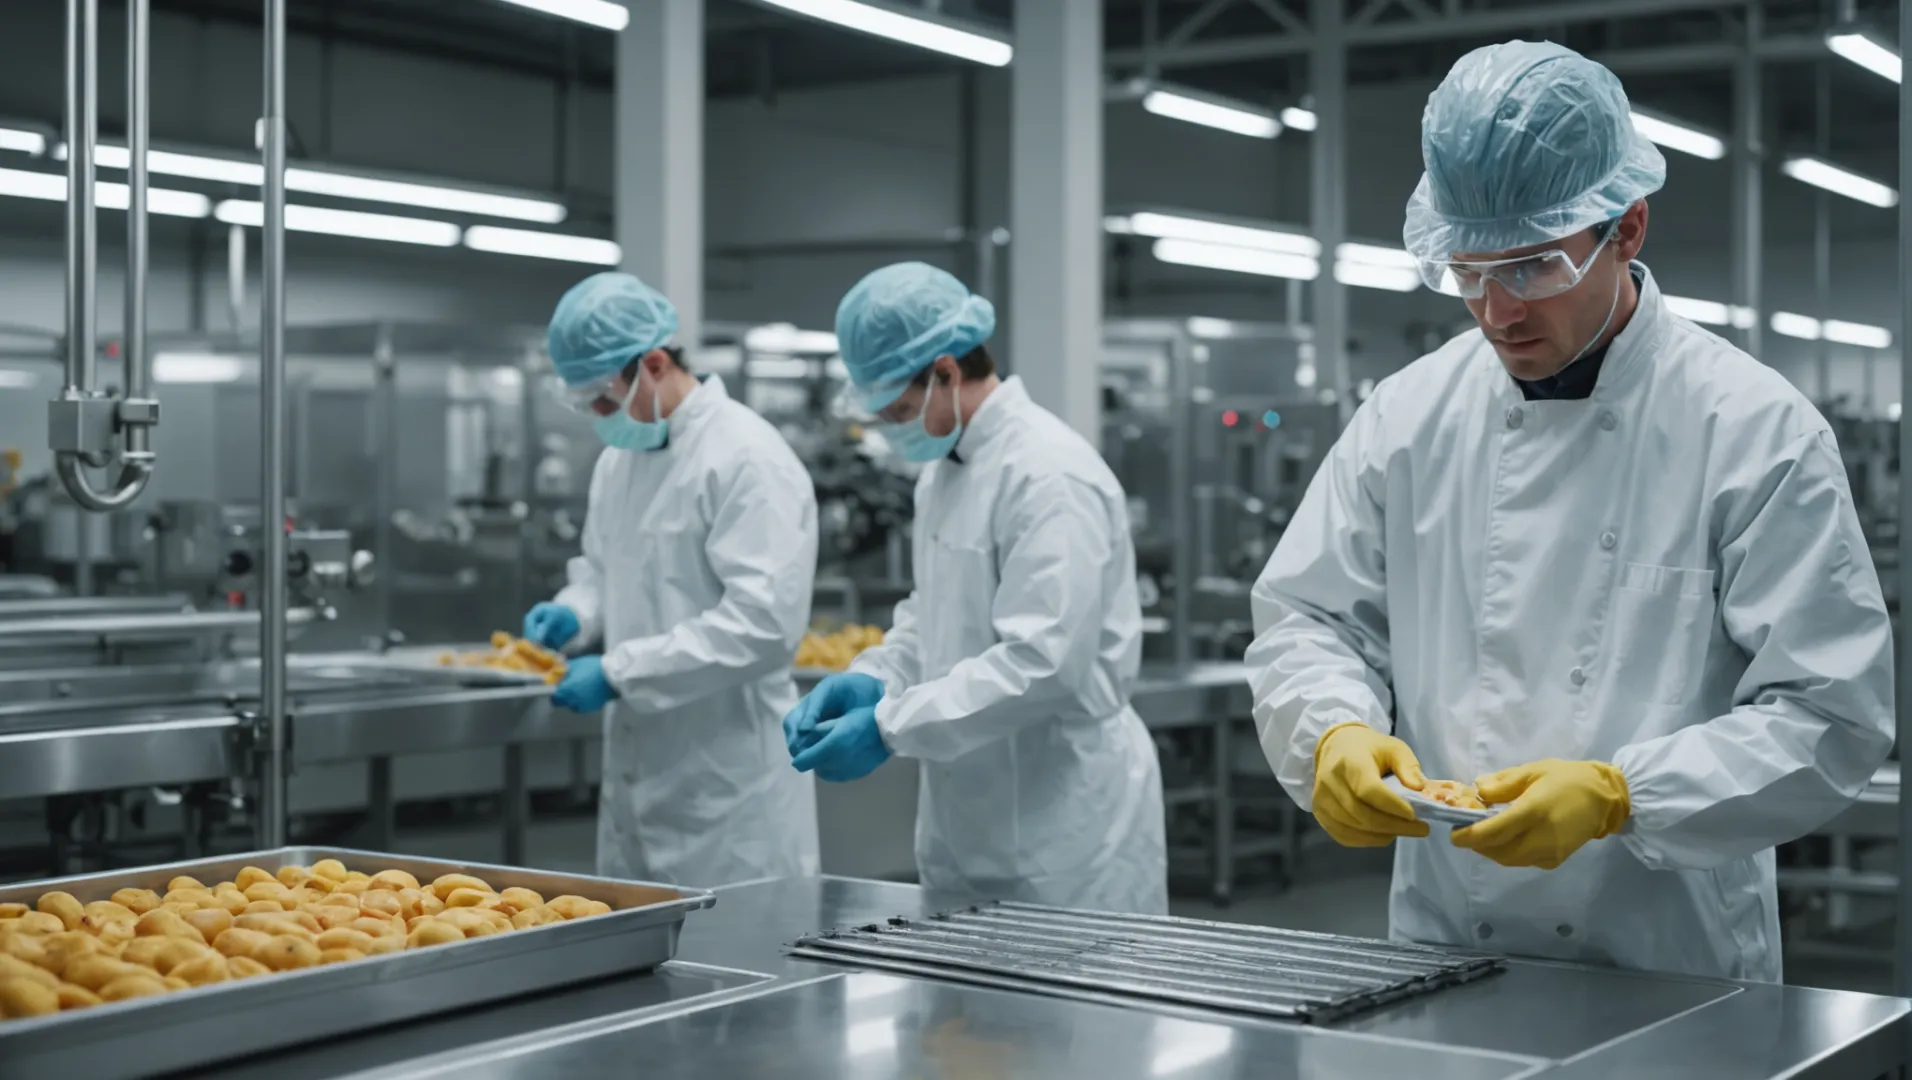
x,y
345,938
144,951
535,916
166,924
1454,793
390,943
340,956
25,997
76,997
331,916
572,907
14,967
268,890
433,932
292,876
467,897
112,931
394,880
250,876
245,967
232,900
25,947
832,650
13,911
513,654
94,972
142,984
183,883
382,902
443,886
514,900
208,968
288,953
35,922
65,907
210,922
239,941
137,901
376,926
63,949
331,870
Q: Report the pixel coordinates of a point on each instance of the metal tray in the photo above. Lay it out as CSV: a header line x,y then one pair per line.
x,y
189,1029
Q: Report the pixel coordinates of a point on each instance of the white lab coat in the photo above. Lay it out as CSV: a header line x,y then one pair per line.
x,y
1668,576
1008,669
696,574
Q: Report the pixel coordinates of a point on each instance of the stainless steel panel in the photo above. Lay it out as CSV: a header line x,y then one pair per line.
x,y
877,1026
1257,970
192,1028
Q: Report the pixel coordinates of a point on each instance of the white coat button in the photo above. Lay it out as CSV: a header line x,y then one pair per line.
x,y
1608,421
1607,540
1577,676
1484,930
1564,930
1513,418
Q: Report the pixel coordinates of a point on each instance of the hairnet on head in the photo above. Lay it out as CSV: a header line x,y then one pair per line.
x,y
603,323
898,320
1525,143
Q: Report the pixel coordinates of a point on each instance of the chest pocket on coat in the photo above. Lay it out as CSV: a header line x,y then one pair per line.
x,y
1662,622
958,603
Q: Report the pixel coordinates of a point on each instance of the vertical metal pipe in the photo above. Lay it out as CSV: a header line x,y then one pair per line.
x,y
137,385
1181,450
82,237
1822,274
1903,972
236,276
1748,149
1327,196
272,443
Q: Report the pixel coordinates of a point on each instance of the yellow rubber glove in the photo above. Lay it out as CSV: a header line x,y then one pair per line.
x,y
1555,807
1350,801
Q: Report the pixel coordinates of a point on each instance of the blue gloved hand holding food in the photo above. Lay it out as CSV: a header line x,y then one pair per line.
x,y
551,625
850,747
832,698
584,689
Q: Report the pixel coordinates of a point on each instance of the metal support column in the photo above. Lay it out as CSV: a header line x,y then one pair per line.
x,y
1327,196
1903,974
272,443
1748,151
1055,208
1822,277
658,130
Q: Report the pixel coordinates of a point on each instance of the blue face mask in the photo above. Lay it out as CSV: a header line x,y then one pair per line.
x,y
622,431
914,442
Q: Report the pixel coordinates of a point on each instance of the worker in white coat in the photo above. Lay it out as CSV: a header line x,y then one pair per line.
x,y
700,546
1587,553
1007,669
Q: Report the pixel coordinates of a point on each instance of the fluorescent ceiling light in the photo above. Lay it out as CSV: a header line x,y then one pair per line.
x,y
777,367
27,142
1204,326
1675,136
1851,333
599,13
1794,325
197,368
1861,49
1822,174
1709,312
429,196
1376,255
1299,119
314,219
1179,227
1370,276
340,185
1238,259
543,245
18,380
1209,112
52,188
786,338
924,33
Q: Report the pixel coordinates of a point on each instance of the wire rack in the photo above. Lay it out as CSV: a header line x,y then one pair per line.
x,y
1257,970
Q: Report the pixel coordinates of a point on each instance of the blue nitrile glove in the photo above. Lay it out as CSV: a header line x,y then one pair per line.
x,y
833,697
550,625
584,689
851,748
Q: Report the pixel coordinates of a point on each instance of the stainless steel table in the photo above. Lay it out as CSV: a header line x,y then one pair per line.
x,y
734,1005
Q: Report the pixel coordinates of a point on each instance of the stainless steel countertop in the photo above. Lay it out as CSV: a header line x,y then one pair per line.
x,y
734,1005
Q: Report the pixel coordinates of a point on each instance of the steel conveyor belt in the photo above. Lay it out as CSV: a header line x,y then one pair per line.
x,y
1258,970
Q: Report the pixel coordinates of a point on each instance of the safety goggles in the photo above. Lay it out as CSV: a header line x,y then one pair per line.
x,y
584,397
1525,277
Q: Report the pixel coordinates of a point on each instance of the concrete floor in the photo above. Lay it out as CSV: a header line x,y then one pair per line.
x,y
1341,892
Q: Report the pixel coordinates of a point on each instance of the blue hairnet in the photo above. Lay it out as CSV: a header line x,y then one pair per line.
x,y
603,323
1525,143
898,320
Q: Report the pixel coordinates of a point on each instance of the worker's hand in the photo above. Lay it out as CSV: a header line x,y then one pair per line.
x,y
1554,807
833,697
850,748
1350,801
584,689
550,625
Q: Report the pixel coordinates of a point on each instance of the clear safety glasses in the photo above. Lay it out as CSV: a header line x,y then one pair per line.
x,y
1525,277
585,398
